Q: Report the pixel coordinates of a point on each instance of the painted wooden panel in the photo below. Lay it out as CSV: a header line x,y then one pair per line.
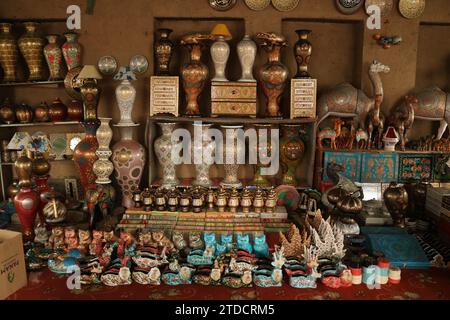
x,y
350,160
415,167
379,167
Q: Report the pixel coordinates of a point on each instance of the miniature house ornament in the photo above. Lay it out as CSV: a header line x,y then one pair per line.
x,y
390,139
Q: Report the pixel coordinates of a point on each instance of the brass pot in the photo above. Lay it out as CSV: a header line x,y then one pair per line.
x,y
396,200
57,111
12,190
31,46
350,204
41,113
75,110
23,167
7,114
335,195
24,113
8,53
41,166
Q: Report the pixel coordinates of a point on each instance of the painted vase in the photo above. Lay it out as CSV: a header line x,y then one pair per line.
x,y
57,111
396,201
31,46
125,96
53,56
9,53
220,52
84,155
24,113
128,159
262,150
26,201
163,149
292,150
103,167
273,76
246,50
41,113
231,150
302,53
194,75
71,50
163,52
7,113
202,153
75,110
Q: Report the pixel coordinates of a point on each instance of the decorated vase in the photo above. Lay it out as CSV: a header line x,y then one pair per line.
x,y
292,151
220,52
9,53
262,150
41,112
193,74
163,52
396,201
103,167
163,149
202,154
75,110
273,75
84,155
125,96
71,50
7,113
31,46
302,53
246,50
231,153
57,111
53,56
128,159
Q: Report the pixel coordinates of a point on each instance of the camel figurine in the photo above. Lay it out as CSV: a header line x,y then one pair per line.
x,y
402,118
347,101
331,134
347,136
375,119
362,139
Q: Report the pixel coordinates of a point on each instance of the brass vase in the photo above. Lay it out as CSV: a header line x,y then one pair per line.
x,y
163,52
273,75
194,73
53,56
302,52
396,200
292,150
7,113
8,53
31,46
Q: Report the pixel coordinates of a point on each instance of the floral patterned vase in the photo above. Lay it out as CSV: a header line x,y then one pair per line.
x,y
53,56
129,160
71,50
163,147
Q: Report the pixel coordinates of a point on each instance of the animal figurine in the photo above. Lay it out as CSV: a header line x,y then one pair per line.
x,y
160,239
266,277
375,121
402,118
294,242
96,245
301,279
331,134
41,235
145,238
346,101
84,240
56,239
226,245
108,236
362,139
243,242
126,247
178,277
387,41
179,241
210,242
150,277
209,275
238,280
260,246
201,257
195,240
116,275
338,281
70,238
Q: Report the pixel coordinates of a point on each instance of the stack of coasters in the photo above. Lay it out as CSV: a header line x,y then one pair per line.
x,y
190,221
134,219
275,225
219,222
162,220
247,224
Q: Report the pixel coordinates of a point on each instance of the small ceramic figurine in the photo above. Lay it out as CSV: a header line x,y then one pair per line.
x,y
233,200
260,246
179,241
147,277
70,238
126,247
238,280
210,243
387,41
258,201
185,201
96,245
243,242
180,277
221,200
84,240
41,235
271,200
267,277
246,200
195,240
225,245
301,278
56,239
210,196
197,201
161,240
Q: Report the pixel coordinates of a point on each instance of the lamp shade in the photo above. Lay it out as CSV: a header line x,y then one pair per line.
x,y
89,72
221,29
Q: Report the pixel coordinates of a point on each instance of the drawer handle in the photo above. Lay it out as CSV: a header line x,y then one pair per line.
x,y
233,92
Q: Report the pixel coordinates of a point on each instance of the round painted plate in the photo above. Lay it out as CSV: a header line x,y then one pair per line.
x,y
349,6
288,196
386,6
411,9
257,4
222,5
285,5
72,84
139,64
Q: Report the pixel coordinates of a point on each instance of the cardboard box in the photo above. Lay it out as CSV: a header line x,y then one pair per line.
x,y
13,275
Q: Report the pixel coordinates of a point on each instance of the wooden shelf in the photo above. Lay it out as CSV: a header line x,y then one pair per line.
x,y
382,151
231,120
51,160
48,84
39,124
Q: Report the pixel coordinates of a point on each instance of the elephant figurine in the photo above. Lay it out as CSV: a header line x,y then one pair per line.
x,y
345,100
100,201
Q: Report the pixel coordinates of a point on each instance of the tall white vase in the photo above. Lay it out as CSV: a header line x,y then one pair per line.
x,y
246,50
103,167
125,96
220,52
231,151
204,147
163,150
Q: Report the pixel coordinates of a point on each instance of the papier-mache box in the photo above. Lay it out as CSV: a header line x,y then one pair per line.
x,y
164,95
233,98
303,98
13,275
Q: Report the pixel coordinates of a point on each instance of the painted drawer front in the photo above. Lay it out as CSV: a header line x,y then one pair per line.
x,y
379,167
350,160
441,172
415,167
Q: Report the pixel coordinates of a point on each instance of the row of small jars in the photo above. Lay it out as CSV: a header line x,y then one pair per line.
x,y
197,198
57,111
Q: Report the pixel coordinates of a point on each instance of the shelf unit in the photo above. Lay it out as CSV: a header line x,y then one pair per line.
x,y
306,176
51,84
38,124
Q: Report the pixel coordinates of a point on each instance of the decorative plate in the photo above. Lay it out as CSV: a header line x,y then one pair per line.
x,y
107,65
411,9
286,5
139,64
257,4
73,84
386,6
222,5
349,6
